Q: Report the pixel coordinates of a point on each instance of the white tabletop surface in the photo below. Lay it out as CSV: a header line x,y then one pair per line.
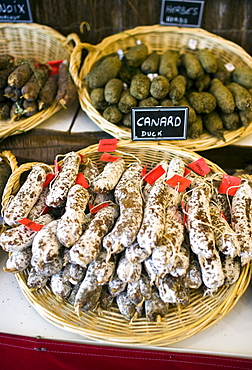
x,y
231,336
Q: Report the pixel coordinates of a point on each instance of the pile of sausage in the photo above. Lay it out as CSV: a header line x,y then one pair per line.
x,y
121,242
27,87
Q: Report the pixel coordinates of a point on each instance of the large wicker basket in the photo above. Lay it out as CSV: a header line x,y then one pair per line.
x,y
31,40
156,38
111,326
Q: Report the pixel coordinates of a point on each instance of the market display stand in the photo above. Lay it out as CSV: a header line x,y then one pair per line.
x,y
24,331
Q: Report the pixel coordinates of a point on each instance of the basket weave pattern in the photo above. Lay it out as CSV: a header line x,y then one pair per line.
x,y
156,38
111,326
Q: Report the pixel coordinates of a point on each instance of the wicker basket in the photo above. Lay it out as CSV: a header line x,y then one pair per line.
x,y
42,43
111,326
159,39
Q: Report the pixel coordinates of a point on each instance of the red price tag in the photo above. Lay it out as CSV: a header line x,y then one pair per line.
x,y
178,182
31,224
82,158
49,178
108,158
95,209
107,145
200,167
54,64
81,180
154,174
229,185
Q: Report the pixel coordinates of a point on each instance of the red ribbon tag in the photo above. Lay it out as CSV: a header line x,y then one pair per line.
x,y
54,64
31,224
154,174
226,186
81,180
95,209
200,167
56,167
144,170
108,158
107,145
178,182
49,178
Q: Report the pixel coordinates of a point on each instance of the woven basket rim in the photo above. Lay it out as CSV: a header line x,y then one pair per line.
x,y
78,72
111,327
8,128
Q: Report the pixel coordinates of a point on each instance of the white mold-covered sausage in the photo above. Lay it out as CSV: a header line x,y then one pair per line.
x,y
128,271
201,234
134,253
212,272
18,261
109,177
26,197
241,213
87,248
64,180
226,240
70,224
153,224
59,286
46,246
231,268
129,198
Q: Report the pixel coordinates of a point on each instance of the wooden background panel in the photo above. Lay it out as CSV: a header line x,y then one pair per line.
x,y
230,19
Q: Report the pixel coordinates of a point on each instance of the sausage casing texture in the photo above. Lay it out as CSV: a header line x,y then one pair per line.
x,y
109,177
64,180
201,233
70,224
212,272
242,220
128,271
59,286
87,248
153,223
26,197
128,197
46,246
18,261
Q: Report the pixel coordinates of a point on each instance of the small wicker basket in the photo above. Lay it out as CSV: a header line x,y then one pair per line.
x,y
156,38
111,326
31,40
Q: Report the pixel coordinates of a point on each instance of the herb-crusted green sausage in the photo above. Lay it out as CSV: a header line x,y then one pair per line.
x,y
243,76
177,88
31,88
136,55
148,102
213,124
112,114
202,102
195,128
243,99
192,114
98,99
230,121
105,71
140,86
126,102
223,96
113,90
168,64
151,63
208,60
159,87
192,65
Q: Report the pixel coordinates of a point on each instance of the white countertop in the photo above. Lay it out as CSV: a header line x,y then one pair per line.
x,y
231,336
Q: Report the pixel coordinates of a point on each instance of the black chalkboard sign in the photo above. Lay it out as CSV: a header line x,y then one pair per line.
x,y
159,123
15,11
181,13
